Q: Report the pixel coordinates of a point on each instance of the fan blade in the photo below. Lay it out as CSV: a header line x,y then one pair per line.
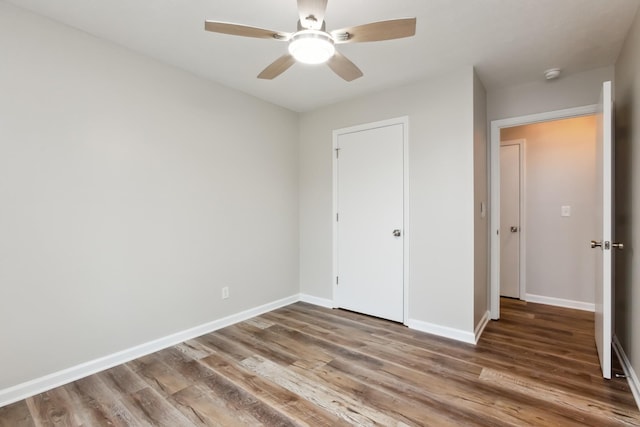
x,y
344,67
376,31
244,31
312,13
277,67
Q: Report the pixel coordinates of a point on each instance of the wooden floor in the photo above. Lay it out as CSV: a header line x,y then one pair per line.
x,y
305,365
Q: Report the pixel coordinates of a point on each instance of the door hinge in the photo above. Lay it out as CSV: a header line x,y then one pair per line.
x,y
337,281
337,217
337,153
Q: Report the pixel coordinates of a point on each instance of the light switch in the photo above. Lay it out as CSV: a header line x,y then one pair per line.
x,y
565,211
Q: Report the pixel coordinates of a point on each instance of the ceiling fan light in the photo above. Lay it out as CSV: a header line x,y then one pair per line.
x,y
311,46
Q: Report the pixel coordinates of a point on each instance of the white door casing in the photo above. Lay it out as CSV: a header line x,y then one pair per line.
x,y
496,125
370,223
603,242
510,223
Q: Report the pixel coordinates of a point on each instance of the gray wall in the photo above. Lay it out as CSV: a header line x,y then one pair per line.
x,y
481,196
131,193
560,169
441,168
627,216
541,96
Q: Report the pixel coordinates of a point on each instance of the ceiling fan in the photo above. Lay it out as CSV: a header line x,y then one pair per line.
x,y
313,44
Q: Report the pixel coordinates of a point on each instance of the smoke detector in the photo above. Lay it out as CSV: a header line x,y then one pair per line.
x,y
552,73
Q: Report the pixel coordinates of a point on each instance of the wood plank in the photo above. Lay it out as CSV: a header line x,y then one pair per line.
x,y
55,408
239,400
400,405
148,405
203,406
122,379
194,349
354,411
287,402
16,415
93,401
158,375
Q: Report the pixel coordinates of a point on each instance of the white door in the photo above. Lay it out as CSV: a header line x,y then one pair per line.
x,y
510,220
603,292
370,214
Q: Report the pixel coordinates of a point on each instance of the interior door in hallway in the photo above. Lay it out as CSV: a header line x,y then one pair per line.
x,y
510,176
370,216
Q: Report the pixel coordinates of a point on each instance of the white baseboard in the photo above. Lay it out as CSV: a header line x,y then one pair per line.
x,y
567,303
322,302
418,325
56,379
632,378
483,324
443,331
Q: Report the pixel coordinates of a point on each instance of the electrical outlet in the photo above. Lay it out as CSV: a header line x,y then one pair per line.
x,y
225,292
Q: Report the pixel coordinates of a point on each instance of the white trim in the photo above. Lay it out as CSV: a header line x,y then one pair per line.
x,y
567,113
65,376
404,120
407,234
559,302
321,302
443,331
494,166
632,378
483,324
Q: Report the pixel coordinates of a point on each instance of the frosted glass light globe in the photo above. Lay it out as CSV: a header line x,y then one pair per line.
x,y
311,46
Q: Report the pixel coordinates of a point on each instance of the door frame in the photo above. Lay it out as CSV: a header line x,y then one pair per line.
x,y
522,221
494,187
404,121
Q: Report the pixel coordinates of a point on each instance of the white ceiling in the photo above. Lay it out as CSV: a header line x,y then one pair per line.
x,y
508,41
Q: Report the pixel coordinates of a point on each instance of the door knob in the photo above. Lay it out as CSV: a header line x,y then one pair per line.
x,y
618,246
397,233
595,244
514,229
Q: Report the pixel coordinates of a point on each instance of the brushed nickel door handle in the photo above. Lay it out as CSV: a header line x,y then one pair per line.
x,y
618,246
514,229
595,244
397,233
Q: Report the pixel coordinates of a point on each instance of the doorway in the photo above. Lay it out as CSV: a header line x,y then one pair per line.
x,y
497,127
559,214
370,219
